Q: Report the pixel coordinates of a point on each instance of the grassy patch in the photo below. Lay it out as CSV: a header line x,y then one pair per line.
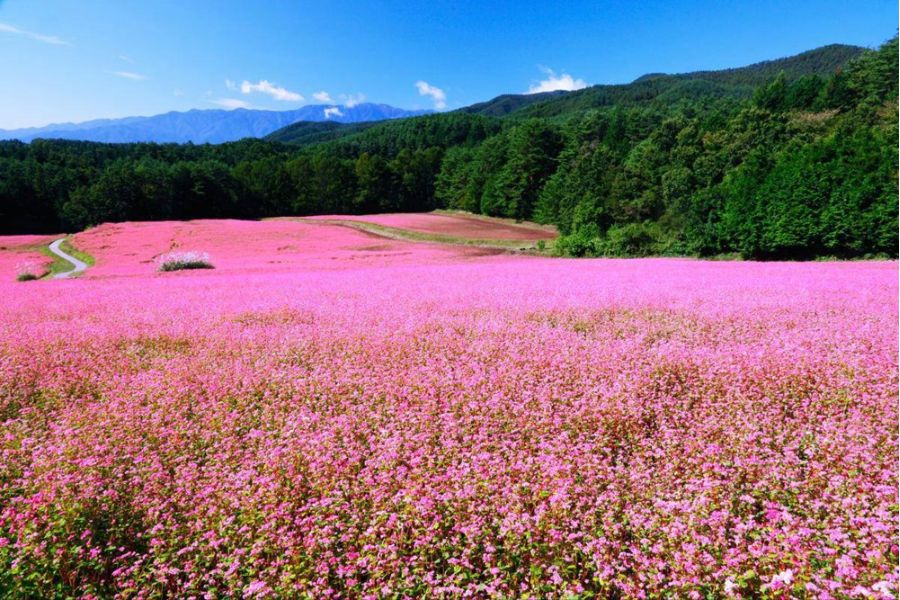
x,y
59,265
84,257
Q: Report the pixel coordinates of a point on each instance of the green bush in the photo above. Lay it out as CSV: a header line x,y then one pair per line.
x,y
632,239
584,242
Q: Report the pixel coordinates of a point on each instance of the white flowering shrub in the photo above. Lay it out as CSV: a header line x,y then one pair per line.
x,y
28,271
181,260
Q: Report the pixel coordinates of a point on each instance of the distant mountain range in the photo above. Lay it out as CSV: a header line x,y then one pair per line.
x,y
207,126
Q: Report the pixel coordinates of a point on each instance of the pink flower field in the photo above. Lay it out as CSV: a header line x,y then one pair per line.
x,y
328,414
19,252
131,249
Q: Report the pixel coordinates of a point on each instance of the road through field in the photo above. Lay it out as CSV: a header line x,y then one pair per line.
x,y
77,265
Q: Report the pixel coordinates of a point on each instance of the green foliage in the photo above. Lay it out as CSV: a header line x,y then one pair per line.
x,y
312,132
507,104
389,138
792,158
659,90
628,240
453,181
820,61
531,150
583,242
633,239
375,183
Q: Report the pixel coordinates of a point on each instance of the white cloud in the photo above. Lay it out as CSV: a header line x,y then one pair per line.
x,y
351,100
323,97
38,37
556,82
231,85
437,94
178,92
333,112
126,58
266,87
231,103
130,75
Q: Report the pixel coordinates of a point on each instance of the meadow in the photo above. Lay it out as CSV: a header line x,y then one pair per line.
x,y
332,414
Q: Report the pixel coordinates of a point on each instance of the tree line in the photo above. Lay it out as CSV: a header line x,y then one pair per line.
x,y
799,167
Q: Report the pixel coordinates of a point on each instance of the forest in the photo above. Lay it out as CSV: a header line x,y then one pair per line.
x,y
792,159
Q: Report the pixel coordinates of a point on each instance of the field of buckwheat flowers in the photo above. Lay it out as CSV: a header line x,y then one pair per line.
x,y
18,255
331,415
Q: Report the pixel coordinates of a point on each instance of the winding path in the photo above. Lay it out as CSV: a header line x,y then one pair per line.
x,y
78,266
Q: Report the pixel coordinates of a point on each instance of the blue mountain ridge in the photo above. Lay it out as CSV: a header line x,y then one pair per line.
x,y
206,126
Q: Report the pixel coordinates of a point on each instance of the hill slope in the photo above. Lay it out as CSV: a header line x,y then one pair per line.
x,y
824,60
508,103
737,83
313,132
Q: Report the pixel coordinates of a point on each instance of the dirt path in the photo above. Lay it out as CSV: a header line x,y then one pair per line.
x,y
455,226
78,266
411,235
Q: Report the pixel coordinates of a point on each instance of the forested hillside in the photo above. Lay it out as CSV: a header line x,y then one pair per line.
x,y
795,158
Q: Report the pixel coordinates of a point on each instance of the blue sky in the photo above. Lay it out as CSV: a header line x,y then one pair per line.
x,y
67,60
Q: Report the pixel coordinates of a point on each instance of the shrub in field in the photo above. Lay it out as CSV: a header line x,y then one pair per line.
x,y
180,261
28,271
